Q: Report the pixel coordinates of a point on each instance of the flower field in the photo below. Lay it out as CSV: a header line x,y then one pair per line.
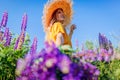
x,y
21,61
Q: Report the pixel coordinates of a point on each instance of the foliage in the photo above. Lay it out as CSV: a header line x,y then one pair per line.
x,y
108,70
89,45
52,63
9,57
11,48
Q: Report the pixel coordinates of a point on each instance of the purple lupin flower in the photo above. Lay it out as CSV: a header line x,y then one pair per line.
x,y
6,32
103,41
107,57
4,19
99,57
111,50
21,38
20,41
51,64
7,35
1,36
24,22
64,64
34,46
20,66
16,44
100,40
68,77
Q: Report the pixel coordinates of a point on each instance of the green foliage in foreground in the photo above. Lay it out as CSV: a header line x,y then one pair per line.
x,y
8,59
9,56
109,70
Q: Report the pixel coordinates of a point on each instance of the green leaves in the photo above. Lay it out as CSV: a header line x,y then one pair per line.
x,y
89,45
108,71
8,59
66,49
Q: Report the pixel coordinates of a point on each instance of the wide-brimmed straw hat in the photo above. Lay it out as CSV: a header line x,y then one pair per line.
x,y
51,6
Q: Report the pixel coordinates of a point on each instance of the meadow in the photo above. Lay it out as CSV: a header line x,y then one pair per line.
x,y
21,61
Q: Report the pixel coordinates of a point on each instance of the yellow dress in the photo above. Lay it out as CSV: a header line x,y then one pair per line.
x,y
54,30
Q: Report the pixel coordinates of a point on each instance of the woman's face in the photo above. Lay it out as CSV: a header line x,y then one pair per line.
x,y
60,15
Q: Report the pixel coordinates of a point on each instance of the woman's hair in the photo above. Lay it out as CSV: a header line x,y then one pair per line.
x,y
53,18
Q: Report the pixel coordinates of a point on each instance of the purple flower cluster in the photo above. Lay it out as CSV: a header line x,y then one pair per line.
x,y
5,35
51,64
104,42
93,55
8,36
104,53
4,20
20,39
34,46
24,22
1,36
3,25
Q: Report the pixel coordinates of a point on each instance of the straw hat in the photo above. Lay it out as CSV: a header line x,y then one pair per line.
x,y
51,6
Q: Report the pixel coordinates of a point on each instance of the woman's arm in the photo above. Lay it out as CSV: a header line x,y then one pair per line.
x,y
59,39
72,28
70,34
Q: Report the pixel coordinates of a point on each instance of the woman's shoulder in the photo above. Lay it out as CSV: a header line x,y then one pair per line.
x,y
57,27
57,23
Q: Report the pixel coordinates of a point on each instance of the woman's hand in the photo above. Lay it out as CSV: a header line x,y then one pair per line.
x,y
72,28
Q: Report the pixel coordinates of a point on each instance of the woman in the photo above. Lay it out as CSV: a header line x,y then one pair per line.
x,y
59,18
